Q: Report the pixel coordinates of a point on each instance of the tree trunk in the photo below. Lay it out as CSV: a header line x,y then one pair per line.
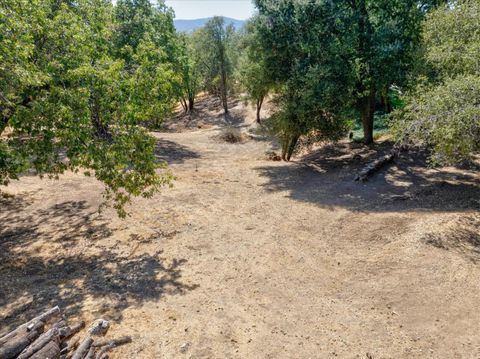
x,y
223,91
291,146
102,131
259,108
184,105
368,110
223,80
191,103
285,142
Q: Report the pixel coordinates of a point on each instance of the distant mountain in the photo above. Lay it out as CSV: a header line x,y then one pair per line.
x,y
191,25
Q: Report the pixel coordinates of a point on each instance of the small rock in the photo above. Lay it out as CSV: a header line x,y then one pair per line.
x,y
99,327
184,347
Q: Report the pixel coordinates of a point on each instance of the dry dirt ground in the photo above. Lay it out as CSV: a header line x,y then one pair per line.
x,y
249,258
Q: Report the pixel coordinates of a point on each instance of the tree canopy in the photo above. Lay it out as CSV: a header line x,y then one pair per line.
x,y
443,111
71,99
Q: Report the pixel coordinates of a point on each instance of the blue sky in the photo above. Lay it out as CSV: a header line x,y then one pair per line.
x,y
195,9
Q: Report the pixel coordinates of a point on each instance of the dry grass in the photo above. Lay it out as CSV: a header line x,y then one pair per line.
x,y
232,135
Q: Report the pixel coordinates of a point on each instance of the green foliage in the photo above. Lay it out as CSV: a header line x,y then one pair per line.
x,y
69,103
251,68
446,117
444,110
211,46
333,59
451,39
189,71
303,56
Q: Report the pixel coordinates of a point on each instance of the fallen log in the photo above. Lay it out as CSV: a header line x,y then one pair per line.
x,y
42,340
16,344
50,351
83,348
72,345
375,166
66,332
44,317
91,353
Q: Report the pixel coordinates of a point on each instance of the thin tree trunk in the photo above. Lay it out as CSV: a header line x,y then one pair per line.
x,y
191,103
101,130
224,91
184,105
223,80
285,143
259,108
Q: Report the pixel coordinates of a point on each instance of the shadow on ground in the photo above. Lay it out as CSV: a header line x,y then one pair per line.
x,y
408,184
113,281
405,186
173,153
208,112
464,238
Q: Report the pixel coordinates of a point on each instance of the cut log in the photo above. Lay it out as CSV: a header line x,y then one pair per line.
x,y
83,348
50,351
44,317
42,340
91,353
72,344
68,332
16,344
375,166
74,329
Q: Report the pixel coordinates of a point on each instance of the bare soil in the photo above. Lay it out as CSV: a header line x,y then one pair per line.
x,y
250,258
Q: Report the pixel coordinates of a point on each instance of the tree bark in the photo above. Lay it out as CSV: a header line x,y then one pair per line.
x,y
376,165
39,343
25,328
50,350
368,111
291,146
223,80
259,108
285,142
83,348
184,105
16,344
191,103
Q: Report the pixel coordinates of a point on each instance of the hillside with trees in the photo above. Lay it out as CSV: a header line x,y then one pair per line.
x,y
303,184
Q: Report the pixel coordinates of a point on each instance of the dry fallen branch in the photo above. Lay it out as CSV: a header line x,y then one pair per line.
x,y
375,166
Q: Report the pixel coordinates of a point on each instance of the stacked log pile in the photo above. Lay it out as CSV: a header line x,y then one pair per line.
x,y
32,340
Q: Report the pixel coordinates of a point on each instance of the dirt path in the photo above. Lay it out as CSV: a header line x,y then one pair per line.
x,y
247,258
